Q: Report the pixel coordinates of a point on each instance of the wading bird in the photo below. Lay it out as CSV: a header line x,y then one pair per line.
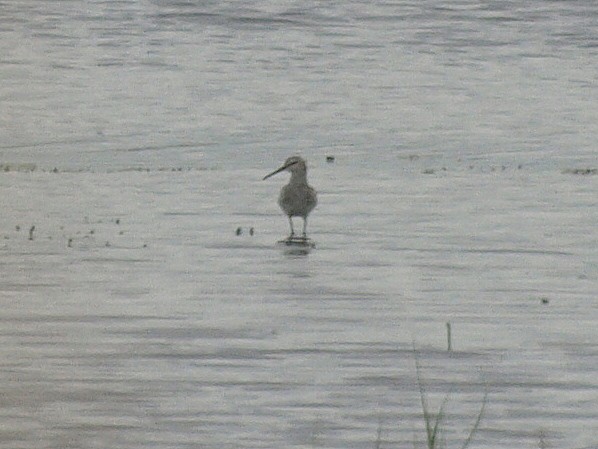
x,y
297,198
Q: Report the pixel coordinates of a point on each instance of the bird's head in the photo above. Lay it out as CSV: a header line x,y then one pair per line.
x,y
294,164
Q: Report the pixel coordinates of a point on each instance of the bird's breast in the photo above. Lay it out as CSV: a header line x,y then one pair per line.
x,y
297,199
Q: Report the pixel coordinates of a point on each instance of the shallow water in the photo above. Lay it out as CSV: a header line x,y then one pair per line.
x,y
135,317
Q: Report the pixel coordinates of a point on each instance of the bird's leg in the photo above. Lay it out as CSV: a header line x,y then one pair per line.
x,y
292,230
304,227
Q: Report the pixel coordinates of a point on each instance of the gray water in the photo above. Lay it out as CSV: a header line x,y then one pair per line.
x,y
134,136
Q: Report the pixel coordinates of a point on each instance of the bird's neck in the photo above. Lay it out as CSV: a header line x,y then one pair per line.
x,y
298,177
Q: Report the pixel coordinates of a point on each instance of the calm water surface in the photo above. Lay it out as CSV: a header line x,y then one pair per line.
x,y
135,317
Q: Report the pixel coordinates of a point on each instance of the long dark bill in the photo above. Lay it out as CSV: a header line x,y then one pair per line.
x,y
284,167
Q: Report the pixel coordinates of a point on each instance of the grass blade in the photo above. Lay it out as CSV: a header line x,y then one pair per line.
x,y
439,418
422,396
476,425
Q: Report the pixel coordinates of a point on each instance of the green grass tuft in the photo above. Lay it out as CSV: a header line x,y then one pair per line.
x,y
433,421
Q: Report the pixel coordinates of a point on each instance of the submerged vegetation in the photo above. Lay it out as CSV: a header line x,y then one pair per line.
x,y
433,421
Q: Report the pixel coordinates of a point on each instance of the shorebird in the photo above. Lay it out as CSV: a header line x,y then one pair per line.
x,y
297,198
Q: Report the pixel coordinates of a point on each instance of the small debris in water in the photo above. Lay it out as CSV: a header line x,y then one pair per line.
x,y
92,232
145,245
544,300
18,228
31,232
70,243
22,167
330,159
239,231
55,170
581,171
428,171
251,231
118,221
